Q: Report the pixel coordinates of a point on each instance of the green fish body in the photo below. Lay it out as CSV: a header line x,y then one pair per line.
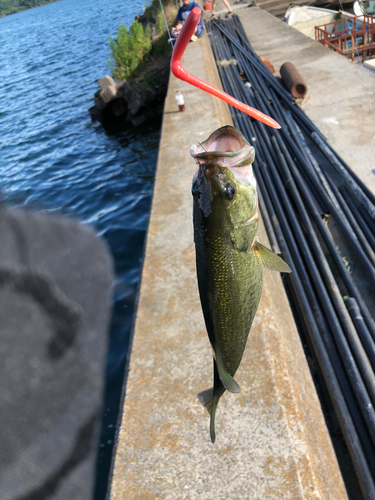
x,y
229,259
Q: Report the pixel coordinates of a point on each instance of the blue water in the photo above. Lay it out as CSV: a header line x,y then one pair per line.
x,y
52,157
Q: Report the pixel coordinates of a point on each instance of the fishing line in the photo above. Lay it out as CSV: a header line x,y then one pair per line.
x,y
192,119
183,83
165,20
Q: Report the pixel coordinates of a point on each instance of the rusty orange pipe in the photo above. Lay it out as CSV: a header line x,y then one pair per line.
x,y
293,80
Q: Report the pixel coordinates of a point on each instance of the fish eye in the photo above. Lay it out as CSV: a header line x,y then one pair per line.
x,y
229,191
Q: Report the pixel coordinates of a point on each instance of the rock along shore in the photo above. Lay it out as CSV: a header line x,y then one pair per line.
x,y
120,106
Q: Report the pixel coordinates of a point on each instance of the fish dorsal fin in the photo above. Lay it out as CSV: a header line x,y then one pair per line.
x,y
269,259
226,379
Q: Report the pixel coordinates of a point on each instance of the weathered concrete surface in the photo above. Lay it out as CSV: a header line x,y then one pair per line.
x,y
272,442
341,94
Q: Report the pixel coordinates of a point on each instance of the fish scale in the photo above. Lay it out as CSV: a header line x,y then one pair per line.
x,y
232,276
229,259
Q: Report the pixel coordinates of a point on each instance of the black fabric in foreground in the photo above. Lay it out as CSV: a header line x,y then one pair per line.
x,y
55,304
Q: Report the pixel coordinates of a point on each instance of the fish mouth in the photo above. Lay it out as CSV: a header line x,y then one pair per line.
x,y
226,147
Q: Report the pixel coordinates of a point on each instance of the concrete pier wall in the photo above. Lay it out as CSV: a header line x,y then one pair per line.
x,y
272,442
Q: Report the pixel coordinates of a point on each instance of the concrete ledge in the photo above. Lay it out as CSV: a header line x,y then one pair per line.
x,y
272,442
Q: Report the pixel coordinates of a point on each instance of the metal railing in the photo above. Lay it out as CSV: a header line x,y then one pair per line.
x,y
353,37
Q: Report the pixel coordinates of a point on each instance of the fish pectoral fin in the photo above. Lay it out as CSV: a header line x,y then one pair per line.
x,y
269,259
226,379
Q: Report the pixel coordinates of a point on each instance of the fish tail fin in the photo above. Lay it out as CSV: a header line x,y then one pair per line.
x,y
207,400
212,419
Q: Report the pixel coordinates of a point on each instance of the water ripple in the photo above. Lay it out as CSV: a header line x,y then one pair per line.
x,y
52,158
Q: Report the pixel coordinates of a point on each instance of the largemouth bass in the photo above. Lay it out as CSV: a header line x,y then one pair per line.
x,y
229,257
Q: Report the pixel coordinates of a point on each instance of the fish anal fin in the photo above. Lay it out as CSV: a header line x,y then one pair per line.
x,y
226,379
269,259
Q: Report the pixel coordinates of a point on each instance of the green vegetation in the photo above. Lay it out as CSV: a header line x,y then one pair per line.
x,y
8,7
128,49
136,50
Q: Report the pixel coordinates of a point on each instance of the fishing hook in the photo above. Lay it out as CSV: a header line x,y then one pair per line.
x,y
180,72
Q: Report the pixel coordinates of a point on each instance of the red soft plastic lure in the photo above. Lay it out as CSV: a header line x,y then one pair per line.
x,y
180,72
